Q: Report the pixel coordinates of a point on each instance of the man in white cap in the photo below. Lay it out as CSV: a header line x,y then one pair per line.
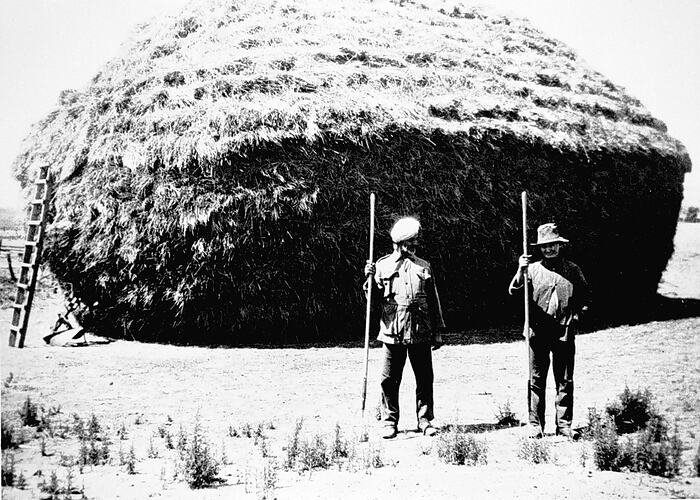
x,y
560,295
411,323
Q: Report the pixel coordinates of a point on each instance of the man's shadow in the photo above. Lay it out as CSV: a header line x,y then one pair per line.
x,y
479,428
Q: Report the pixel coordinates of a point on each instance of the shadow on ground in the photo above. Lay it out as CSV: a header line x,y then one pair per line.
x,y
659,308
477,428
662,308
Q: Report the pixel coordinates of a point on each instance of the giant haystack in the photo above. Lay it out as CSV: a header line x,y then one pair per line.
x,y
213,180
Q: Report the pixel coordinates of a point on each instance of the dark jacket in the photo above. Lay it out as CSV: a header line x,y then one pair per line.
x,y
559,293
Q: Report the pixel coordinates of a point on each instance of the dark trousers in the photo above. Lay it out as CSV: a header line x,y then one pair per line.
x,y
421,359
562,351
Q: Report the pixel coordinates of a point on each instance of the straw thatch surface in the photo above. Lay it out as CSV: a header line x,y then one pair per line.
x,y
214,178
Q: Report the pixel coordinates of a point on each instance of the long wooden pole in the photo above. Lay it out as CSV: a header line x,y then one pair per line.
x,y
526,303
369,301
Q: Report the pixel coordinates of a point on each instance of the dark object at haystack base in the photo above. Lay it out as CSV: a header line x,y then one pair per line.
x,y
213,181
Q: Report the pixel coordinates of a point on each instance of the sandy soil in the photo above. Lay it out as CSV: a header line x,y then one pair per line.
x,y
681,278
146,386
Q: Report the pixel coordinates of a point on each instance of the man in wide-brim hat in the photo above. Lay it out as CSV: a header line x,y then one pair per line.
x,y
560,295
411,322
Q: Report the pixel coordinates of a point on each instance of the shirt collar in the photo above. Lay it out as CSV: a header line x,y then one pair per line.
x,y
397,259
554,263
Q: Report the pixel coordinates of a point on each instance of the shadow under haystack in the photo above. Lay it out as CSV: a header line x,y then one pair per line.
x,y
212,182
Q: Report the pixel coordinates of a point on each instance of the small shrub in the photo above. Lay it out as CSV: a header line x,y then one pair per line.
x,y
232,432
653,451
536,451
69,483
95,455
293,445
61,429
8,435
200,466
696,462
260,439
169,441
594,417
67,460
340,447
607,453
163,477
152,450
261,442
313,454
259,431
632,411
182,440
54,410
78,426
53,487
364,435
460,448
247,430
691,214
224,455
130,461
94,447
373,458
94,429
70,490
49,425
505,416
122,433
584,456
270,475
29,413
104,451
83,455
8,469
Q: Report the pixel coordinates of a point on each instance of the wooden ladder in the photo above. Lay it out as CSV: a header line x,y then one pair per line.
x,y
29,268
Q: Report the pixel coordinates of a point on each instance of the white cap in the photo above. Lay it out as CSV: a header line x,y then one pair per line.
x,y
404,229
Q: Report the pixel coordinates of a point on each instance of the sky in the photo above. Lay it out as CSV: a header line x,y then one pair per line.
x,y
650,47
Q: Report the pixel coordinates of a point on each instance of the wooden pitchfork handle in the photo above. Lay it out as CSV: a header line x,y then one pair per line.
x,y
369,300
526,302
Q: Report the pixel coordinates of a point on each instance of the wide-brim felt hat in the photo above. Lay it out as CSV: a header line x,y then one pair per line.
x,y
548,233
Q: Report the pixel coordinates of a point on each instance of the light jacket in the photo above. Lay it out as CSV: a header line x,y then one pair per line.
x,y
411,311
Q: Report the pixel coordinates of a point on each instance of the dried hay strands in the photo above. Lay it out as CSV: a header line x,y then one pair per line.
x,y
209,174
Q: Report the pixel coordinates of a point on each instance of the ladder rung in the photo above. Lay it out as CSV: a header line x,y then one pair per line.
x,y
15,328
34,222
40,181
27,264
22,285
38,201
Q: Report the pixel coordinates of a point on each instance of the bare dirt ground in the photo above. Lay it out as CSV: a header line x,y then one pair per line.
x,y
148,388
